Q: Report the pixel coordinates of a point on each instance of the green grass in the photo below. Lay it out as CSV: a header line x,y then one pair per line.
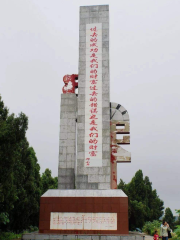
x,y
9,236
12,236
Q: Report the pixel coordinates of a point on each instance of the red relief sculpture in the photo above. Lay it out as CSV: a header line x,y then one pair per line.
x,y
70,83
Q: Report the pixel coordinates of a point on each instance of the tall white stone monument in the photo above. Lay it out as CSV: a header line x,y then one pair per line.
x,y
89,147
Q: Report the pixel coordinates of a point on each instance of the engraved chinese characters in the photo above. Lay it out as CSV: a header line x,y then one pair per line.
x,y
86,221
93,98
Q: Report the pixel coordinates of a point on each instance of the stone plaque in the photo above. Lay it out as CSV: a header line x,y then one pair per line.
x,y
83,221
93,96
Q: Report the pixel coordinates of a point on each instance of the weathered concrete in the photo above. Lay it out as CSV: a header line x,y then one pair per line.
x,y
95,177
119,117
84,192
67,141
39,236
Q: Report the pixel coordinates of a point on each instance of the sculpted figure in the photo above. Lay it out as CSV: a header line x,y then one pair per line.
x,y
70,83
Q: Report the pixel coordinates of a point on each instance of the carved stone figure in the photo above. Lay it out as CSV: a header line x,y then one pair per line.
x,y
70,83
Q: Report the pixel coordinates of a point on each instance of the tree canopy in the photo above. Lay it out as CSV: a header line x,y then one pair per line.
x,y
48,182
144,203
21,184
168,217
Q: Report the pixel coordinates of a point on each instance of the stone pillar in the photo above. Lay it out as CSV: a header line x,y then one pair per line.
x,y
67,142
93,169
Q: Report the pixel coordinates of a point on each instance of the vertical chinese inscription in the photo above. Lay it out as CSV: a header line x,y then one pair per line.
x,y
93,96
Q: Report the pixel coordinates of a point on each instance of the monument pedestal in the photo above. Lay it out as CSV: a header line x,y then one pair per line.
x,y
84,212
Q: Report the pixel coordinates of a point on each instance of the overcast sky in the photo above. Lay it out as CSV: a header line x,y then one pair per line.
x,y
39,45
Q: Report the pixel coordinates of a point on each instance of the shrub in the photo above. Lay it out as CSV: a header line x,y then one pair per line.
x,y
31,229
9,236
150,227
176,235
12,236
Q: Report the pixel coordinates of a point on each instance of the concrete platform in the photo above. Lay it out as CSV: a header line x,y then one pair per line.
x,y
40,236
84,193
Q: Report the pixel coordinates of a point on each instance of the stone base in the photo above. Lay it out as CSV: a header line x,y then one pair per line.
x,y
39,236
84,212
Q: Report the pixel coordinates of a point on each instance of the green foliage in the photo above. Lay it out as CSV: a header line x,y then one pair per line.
x,y
48,182
31,229
20,183
169,217
137,214
144,203
178,221
12,235
12,132
4,218
9,236
150,227
178,211
176,235
28,185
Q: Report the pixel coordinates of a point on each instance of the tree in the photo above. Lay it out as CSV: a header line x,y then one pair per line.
x,y
137,214
122,185
48,182
28,185
153,202
168,217
20,185
177,227
144,203
156,206
178,220
12,132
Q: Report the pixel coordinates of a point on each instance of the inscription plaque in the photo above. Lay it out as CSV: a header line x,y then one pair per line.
x,y
83,221
93,93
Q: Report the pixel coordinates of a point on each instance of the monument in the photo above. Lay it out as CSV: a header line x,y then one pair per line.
x,y
87,201
89,121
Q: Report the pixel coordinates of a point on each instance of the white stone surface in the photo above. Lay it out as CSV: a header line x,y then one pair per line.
x,y
91,16
84,193
93,95
83,221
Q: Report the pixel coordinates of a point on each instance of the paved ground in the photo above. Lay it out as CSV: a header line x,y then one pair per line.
x,y
147,237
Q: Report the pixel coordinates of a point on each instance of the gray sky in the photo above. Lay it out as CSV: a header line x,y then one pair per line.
x,y
39,45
